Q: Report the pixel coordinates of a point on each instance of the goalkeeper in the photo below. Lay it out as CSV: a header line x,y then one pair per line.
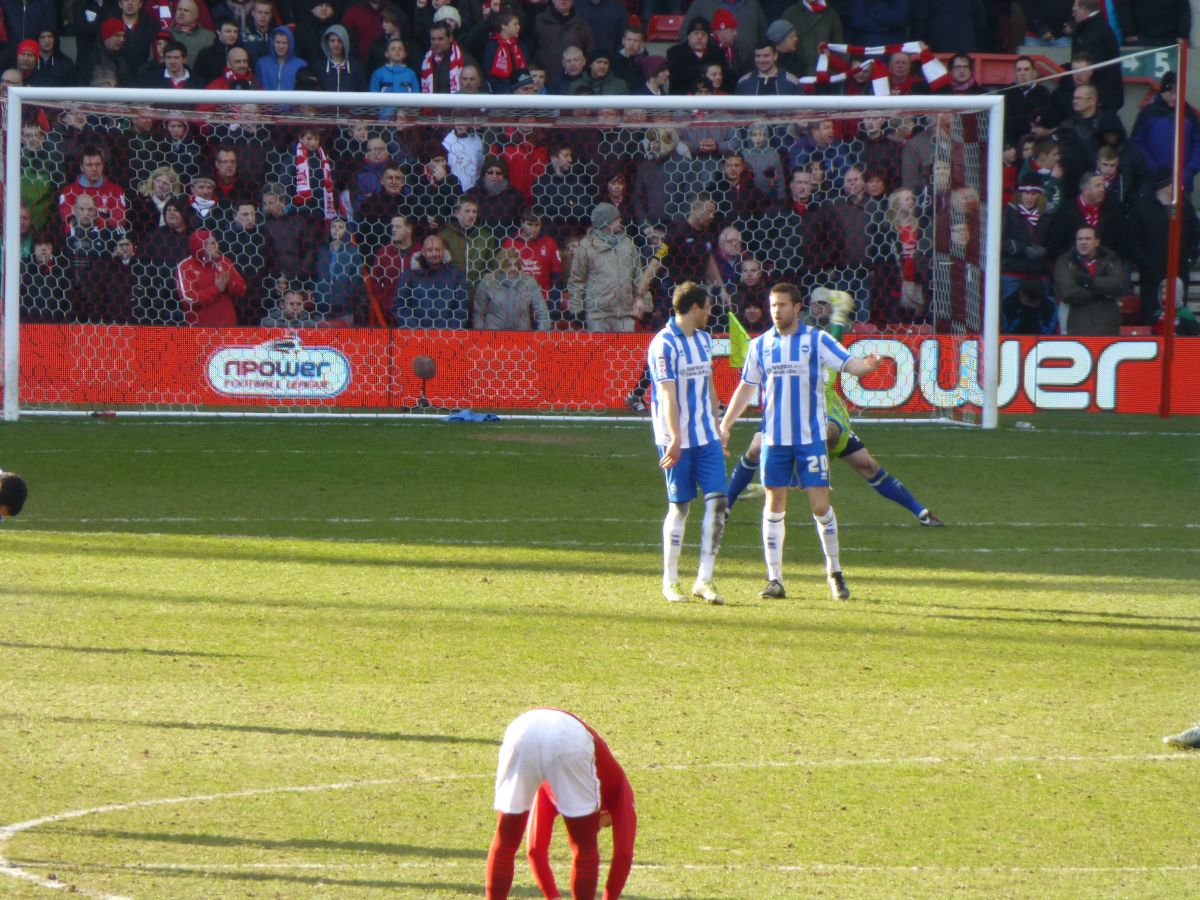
x,y
12,494
841,441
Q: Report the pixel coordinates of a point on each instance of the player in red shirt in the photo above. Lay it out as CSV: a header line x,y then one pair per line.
x,y
555,763
539,253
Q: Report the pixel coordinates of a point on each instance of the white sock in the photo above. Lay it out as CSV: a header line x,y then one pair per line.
x,y
710,533
673,526
773,529
827,532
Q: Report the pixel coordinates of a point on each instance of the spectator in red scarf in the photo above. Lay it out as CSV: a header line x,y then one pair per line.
x,y
208,284
504,61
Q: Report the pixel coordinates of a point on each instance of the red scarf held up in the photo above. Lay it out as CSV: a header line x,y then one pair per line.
x,y
508,59
304,188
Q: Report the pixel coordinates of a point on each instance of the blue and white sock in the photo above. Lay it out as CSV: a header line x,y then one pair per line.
x,y
890,486
739,480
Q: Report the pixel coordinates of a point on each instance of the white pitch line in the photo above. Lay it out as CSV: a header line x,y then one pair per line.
x,y
7,832
602,546
537,520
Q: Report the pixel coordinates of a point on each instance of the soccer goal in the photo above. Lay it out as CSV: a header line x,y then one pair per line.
x,y
238,252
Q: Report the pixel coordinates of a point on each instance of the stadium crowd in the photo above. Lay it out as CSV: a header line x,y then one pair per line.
x,y
244,217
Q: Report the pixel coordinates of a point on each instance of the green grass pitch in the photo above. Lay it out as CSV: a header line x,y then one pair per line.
x,y
275,659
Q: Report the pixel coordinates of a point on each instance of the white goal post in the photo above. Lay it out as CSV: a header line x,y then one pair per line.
x,y
979,373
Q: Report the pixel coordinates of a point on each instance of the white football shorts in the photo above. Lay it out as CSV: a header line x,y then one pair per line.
x,y
547,745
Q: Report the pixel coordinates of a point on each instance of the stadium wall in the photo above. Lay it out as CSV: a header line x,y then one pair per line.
x,y
64,367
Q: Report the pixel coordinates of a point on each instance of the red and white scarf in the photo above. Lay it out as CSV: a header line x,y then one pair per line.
x,y
834,58
304,188
814,6
508,59
1091,214
1031,215
456,63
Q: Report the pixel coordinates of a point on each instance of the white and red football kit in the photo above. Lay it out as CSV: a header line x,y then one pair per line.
x,y
109,197
551,762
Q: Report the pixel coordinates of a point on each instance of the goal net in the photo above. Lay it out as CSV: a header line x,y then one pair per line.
x,y
301,253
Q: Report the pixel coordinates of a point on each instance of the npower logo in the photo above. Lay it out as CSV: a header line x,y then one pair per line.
x,y
282,368
1053,374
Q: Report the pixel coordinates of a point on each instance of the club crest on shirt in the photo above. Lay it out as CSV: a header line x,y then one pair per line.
x,y
662,367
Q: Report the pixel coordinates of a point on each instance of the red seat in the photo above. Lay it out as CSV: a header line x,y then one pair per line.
x,y
1131,309
664,28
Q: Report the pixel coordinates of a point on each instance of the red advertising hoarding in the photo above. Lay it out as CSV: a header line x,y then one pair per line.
x,y
142,367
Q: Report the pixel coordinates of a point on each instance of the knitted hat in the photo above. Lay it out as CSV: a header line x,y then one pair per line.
x,y
723,18
1030,187
495,162
697,23
604,215
778,31
448,12
28,46
110,27
1168,83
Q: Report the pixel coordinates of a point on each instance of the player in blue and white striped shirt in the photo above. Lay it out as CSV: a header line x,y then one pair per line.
x,y
787,363
685,430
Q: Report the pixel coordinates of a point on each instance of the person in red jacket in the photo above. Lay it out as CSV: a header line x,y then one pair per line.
x,y
208,283
555,763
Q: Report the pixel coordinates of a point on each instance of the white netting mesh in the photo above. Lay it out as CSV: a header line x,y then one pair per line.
x,y
429,225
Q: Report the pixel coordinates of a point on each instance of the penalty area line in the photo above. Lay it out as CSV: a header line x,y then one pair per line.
x,y
8,832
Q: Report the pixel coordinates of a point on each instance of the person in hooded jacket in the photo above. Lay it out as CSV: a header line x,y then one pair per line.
x,y
277,70
339,73
207,283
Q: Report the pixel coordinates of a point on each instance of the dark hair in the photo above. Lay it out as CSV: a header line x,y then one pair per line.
x,y
1033,289
173,46
13,492
501,18
181,207
687,296
634,29
226,20
442,26
789,290
91,150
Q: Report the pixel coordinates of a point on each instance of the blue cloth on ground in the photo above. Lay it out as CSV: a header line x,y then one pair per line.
x,y
466,415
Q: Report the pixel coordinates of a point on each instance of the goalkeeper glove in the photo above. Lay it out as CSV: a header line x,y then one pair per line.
x,y
843,307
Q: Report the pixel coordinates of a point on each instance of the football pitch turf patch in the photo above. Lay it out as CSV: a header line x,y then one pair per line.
x,y
261,659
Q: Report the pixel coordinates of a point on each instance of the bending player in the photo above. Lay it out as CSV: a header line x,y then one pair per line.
x,y
840,439
685,430
787,364
555,763
13,493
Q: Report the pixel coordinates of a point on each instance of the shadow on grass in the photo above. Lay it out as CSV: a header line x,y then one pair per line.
x,y
212,876
786,619
145,651
588,558
257,843
345,734
1097,614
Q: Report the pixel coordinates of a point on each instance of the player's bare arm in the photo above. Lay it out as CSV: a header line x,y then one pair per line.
x,y
859,366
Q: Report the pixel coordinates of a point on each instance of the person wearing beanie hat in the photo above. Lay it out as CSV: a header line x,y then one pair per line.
x,y
691,57
1154,132
725,32
605,284
1024,236
108,54
499,202
657,77
783,36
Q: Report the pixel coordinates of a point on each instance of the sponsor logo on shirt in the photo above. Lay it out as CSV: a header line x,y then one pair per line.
x,y
697,370
782,369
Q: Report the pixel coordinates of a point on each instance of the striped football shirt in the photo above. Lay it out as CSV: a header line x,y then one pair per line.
x,y
686,361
